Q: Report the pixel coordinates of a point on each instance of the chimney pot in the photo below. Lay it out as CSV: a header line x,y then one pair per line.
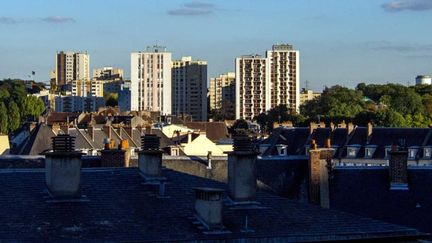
x,y
208,206
150,157
63,168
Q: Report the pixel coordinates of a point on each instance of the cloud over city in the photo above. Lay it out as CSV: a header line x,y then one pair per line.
x,y
413,5
195,8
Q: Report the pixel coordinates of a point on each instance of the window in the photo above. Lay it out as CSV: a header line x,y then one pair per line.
x,y
427,153
352,152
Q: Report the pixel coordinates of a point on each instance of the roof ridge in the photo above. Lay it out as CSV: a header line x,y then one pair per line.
x,y
127,134
85,138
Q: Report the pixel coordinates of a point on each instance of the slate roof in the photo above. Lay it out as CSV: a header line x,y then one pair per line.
x,y
215,131
38,141
120,208
383,137
365,191
61,117
294,138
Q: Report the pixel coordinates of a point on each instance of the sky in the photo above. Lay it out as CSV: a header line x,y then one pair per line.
x,y
340,42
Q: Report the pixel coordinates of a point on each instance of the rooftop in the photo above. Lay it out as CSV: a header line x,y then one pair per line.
x,y
121,208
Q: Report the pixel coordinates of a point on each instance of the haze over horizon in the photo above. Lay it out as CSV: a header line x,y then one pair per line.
x,y
339,42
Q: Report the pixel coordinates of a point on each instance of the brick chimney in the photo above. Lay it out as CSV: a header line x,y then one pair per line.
x,y
150,157
398,169
189,137
107,130
111,157
350,128
63,168
208,206
312,127
369,131
90,130
65,128
320,161
242,174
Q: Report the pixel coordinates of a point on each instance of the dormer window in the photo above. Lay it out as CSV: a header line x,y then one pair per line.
x,y
412,152
352,150
387,151
427,152
282,149
369,151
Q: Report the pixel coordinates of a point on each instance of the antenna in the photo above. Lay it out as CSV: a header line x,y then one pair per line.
x,y
307,85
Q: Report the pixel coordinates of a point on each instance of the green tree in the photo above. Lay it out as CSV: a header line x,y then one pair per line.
x,y
3,118
112,100
390,118
14,117
31,107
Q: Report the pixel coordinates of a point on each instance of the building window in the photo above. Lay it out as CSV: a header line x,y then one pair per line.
x,y
352,152
427,153
412,153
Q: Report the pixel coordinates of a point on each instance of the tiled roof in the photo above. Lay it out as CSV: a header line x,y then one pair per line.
x,y
120,208
61,117
294,138
215,131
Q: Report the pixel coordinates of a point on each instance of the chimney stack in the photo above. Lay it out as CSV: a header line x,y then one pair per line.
x,y
312,127
242,174
63,168
369,131
90,130
112,157
398,169
350,128
320,162
150,157
342,125
208,207
189,137
65,128
107,130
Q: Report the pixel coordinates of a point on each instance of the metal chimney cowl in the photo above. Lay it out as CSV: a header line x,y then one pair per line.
x,y
63,168
242,174
150,156
208,206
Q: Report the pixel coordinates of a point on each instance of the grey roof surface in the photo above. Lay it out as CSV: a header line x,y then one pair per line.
x,y
38,141
365,191
120,208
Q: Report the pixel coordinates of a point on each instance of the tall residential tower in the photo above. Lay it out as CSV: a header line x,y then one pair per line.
x,y
222,94
189,88
263,83
71,66
151,80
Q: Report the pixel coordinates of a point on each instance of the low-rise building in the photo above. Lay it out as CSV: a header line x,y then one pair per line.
x,y
307,95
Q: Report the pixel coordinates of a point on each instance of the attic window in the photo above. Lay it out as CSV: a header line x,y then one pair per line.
x,y
352,151
427,153
369,151
412,152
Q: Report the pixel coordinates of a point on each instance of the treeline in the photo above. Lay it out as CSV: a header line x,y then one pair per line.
x,y
16,107
388,105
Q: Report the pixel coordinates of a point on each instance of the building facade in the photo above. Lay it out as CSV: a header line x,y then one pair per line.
x,y
189,88
307,94
252,86
71,66
87,88
71,103
108,73
424,79
222,93
284,76
124,97
263,83
151,80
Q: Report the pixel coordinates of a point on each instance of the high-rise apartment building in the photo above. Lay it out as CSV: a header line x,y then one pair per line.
x,y
189,88
222,93
252,86
264,83
87,88
72,66
108,73
284,76
151,80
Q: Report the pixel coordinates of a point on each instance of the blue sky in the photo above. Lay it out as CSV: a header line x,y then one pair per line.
x,y
340,42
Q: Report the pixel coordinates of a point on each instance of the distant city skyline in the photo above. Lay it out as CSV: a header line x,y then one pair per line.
x,y
339,42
